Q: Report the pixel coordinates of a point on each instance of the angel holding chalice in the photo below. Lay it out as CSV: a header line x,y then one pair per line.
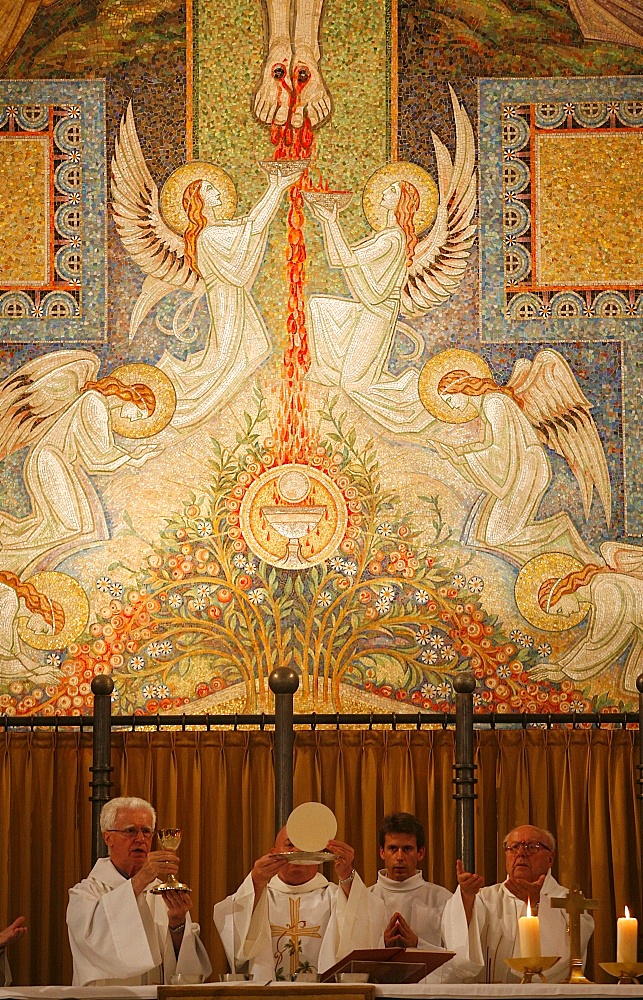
x,y
187,238
394,270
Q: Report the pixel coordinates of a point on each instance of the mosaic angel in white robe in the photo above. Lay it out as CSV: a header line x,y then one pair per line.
x,y
393,271
215,256
614,595
541,404
54,406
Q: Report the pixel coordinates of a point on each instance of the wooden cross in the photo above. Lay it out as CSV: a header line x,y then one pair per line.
x,y
575,904
296,930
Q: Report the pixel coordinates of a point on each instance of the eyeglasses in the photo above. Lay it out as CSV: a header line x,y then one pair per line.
x,y
129,832
528,846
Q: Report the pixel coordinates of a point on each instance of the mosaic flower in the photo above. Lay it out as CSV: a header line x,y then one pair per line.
x,y
136,662
476,585
423,635
257,596
429,691
336,564
385,530
103,584
53,659
198,603
203,589
349,568
386,593
175,601
239,560
116,590
421,597
459,581
204,528
543,649
503,671
428,656
382,606
324,600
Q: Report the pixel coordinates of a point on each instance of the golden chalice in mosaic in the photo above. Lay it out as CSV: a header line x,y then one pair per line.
x,y
170,838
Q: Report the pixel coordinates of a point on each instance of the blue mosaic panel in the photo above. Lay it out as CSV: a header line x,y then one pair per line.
x,y
512,113
53,290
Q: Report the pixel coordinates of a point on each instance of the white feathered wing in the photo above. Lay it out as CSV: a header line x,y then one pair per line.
x,y
555,406
34,396
149,241
440,259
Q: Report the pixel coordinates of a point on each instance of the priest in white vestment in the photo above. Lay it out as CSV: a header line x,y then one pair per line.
x,y
288,918
529,853
120,934
7,936
416,913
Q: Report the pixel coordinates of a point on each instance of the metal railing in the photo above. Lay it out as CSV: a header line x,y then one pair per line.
x,y
284,683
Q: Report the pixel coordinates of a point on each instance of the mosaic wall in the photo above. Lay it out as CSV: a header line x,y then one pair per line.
x,y
320,347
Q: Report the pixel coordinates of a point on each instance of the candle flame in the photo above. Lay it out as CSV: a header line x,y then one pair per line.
x,y
528,907
627,912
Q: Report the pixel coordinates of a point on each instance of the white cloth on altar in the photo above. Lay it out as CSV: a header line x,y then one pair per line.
x,y
117,939
435,915
254,937
494,931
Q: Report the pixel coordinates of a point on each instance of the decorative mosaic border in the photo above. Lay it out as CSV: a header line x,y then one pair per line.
x,y
513,306
597,314
526,295
70,303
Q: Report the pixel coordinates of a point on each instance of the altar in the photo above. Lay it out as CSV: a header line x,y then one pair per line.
x,y
324,991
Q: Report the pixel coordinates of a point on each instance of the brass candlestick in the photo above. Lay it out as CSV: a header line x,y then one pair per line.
x,y
626,974
533,966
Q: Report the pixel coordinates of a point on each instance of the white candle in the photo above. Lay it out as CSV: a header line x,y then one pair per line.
x,y
529,932
626,939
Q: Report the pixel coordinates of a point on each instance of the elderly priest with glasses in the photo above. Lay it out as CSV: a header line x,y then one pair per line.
x,y
494,930
120,933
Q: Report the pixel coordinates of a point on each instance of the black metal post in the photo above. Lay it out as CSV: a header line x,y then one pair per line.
x,y
102,687
464,779
639,795
283,683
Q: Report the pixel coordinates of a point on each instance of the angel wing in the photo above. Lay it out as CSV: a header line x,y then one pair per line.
x,y
624,558
440,259
555,406
150,242
36,394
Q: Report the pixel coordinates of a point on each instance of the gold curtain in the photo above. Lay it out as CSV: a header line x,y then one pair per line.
x,y
219,788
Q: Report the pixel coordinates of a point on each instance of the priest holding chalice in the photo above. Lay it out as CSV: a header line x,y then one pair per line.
x,y
129,921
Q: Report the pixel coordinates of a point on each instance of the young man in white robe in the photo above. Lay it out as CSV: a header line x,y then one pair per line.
x,y
415,913
119,932
288,918
529,854
7,936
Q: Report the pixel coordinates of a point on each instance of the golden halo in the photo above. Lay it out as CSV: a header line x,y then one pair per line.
x,y
452,360
164,394
400,170
70,595
172,192
546,566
